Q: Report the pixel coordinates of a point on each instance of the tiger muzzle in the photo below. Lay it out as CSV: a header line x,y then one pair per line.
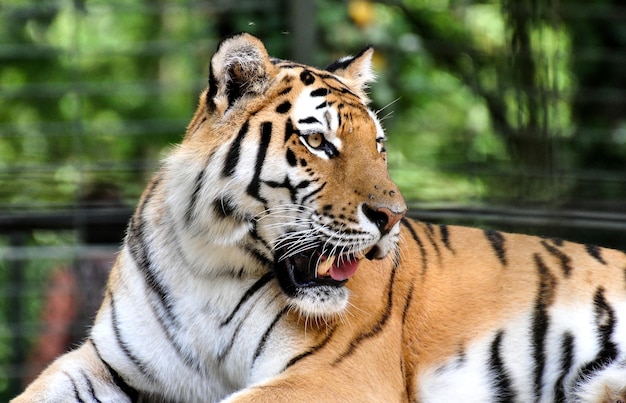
x,y
315,268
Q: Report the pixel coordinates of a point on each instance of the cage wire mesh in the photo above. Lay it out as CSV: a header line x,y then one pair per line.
x,y
505,113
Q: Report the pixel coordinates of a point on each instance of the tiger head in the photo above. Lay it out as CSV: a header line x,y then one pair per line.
x,y
290,166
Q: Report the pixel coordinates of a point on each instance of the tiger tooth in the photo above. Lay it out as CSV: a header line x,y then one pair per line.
x,y
324,266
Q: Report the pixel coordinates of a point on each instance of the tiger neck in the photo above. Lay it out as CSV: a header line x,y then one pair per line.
x,y
213,285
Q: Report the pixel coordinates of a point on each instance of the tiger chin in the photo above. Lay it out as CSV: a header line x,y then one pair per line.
x,y
269,260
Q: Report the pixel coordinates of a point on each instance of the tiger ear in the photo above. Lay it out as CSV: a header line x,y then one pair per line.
x,y
240,67
357,69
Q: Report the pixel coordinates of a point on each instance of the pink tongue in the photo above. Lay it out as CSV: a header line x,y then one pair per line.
x,y
344,271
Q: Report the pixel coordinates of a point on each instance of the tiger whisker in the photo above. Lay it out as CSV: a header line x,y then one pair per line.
x,y
387,106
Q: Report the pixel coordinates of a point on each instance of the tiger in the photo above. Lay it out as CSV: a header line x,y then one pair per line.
x,y
271,259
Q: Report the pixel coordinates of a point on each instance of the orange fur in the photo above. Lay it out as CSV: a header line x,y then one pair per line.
x,y
454,298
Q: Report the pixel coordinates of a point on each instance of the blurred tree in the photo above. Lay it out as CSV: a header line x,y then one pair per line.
x,y
514,78
598,35
480,90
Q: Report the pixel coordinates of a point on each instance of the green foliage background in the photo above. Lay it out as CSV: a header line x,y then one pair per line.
x,y
478,97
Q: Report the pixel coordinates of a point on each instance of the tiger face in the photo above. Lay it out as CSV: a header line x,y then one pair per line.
x,y
338,204
302,167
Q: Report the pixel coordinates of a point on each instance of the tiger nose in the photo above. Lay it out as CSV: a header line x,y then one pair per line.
x,y
383,217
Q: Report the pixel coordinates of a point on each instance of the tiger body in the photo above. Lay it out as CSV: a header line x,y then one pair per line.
x,y
238,276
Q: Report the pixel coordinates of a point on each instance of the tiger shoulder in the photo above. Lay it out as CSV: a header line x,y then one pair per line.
x,y
270,260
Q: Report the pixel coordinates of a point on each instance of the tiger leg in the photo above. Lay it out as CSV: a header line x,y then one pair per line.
x,y
78,376
334,387
353,367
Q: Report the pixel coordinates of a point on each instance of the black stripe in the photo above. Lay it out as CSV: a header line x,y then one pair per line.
x,y
212,91
320,92
284,107
286,64
307,77
496,239
563,258
188,359
163,308
342,90
312,350
346,61
378,325
141,366
75,388
310,195
194,196
90,389
541,320
286,90
334,84
595,252
557,241
224,207
261,346
292,160
322,105
445,236
290,130
430,234
246,296
197,187
309,120
139,252
225,351
254,234
198,125
567,359
264,143
232,158
128,390
156,181
258,254
340,119
293,189
407,304
461,356
417,239
502,383
605,323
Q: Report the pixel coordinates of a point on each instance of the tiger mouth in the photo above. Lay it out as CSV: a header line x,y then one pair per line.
x,y
314,268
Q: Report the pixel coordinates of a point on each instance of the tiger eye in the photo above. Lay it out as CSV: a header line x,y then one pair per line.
x,y
315,140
